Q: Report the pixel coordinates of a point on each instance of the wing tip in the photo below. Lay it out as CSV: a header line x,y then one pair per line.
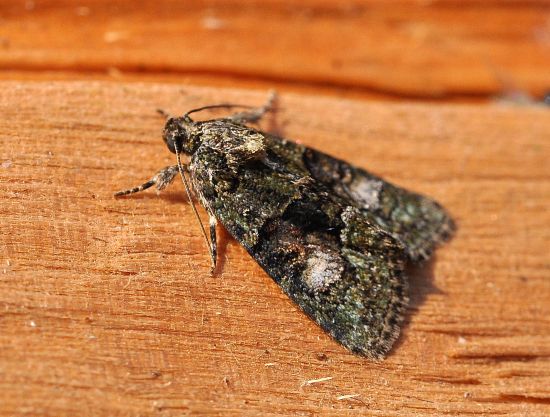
x,y
441,233
391,332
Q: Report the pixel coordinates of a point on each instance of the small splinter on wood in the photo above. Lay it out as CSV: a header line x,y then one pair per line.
x,y
347,397
316,381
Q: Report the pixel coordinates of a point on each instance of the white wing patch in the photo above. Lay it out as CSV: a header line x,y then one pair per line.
x,y
323,268
366,191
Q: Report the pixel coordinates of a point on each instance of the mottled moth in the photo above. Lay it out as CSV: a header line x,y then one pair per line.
x,y
335,237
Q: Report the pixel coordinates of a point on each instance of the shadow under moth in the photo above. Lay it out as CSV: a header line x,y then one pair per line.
x,y
335,237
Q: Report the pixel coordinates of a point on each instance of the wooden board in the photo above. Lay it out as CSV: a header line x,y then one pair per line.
x,y
107,306
417,49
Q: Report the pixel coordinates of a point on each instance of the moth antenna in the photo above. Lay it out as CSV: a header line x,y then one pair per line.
x,y
259,111
188,192
216,106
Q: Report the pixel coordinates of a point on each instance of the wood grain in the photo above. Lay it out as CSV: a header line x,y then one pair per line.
x,y
107,306
416,49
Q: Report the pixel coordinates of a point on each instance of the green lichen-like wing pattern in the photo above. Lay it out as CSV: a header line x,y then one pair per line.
x,y
330,258
418,222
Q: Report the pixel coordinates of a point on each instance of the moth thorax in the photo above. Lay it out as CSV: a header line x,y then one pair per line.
x,y
253,148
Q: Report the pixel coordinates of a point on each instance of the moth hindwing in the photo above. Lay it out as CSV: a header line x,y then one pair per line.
x,y
333,236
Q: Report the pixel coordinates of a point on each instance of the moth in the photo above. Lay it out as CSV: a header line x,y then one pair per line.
x,y
334,237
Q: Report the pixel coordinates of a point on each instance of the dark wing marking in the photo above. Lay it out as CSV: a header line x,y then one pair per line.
x,y
418,222
343,271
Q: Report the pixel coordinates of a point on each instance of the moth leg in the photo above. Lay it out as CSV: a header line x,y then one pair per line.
x,y
161,179
255,114
213,241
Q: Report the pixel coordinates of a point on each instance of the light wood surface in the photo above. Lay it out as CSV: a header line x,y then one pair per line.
x,y
107,306
469,49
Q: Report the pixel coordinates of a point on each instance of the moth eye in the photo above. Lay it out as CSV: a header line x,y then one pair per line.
x,y
174,131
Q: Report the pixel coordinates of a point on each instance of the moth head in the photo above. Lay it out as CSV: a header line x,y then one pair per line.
x,y
177,132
